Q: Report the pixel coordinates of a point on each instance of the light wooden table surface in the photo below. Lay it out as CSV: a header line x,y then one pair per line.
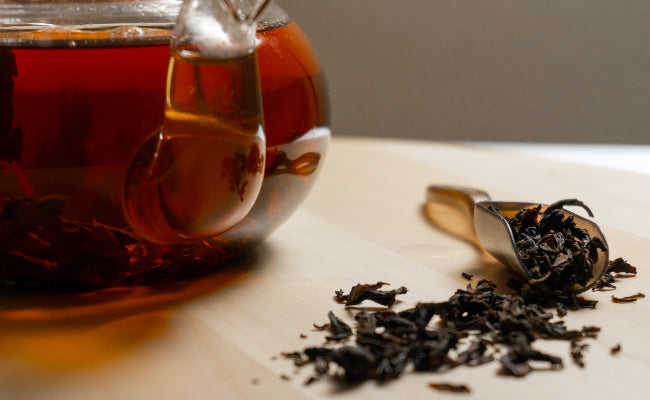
x,y
219,337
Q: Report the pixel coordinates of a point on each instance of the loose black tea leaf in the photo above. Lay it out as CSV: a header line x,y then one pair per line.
x,y
577,350
590,331
320,327
467,276
448,387
360,292
358,362
568,202
476,354
339,330
606,282
516,361
620,267
313,379
299,358
291,354
628,299
616,349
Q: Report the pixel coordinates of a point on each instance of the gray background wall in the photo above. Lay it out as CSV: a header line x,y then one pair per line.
x,y
517,70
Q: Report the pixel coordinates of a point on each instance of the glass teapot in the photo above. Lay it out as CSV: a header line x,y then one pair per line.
x,y
85,88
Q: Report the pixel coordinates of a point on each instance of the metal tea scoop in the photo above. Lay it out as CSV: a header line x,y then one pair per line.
x,y
495,235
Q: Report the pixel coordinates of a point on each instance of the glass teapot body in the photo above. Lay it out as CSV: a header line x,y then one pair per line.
x,y
82,86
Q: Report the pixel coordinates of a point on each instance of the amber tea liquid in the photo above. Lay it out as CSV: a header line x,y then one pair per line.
x,y
81,111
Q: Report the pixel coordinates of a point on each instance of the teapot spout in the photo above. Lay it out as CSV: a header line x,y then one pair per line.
x,y
201,172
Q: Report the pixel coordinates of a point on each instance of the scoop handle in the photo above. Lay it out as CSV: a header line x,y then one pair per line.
x,y
461,198
456,216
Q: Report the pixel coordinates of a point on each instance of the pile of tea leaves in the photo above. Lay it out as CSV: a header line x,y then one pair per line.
x,y
557,254
476,325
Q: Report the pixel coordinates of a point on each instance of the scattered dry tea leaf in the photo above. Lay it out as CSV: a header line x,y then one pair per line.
x,y
371,292
577,350
449,387
321,327
339,330
616,268
628,299
620,266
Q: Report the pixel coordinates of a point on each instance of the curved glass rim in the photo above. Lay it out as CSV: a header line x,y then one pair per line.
x,y
20,13
82,23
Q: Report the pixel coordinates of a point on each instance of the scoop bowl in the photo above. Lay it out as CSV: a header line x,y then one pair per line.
x,y
494,234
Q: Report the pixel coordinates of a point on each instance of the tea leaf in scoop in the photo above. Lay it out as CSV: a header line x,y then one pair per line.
x,y
556,252
568,202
